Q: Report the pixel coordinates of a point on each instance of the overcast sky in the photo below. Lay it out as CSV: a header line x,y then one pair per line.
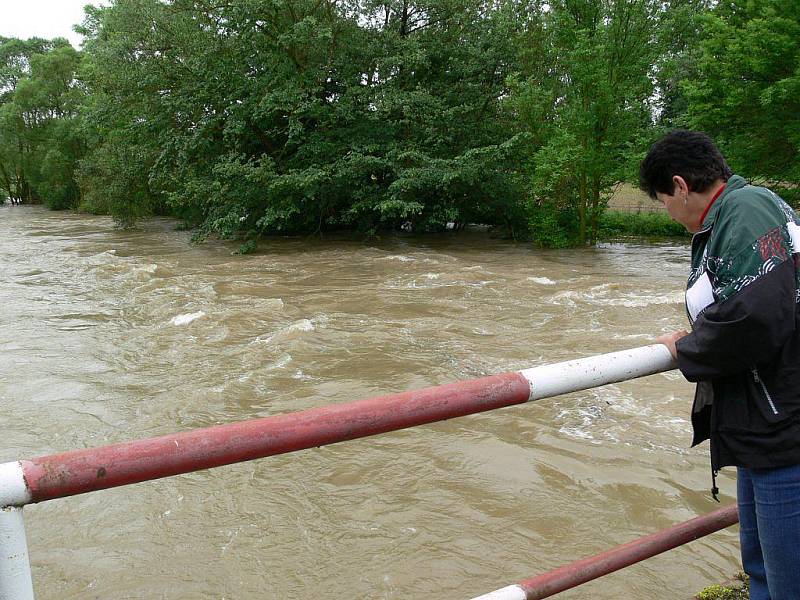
x,y
43,18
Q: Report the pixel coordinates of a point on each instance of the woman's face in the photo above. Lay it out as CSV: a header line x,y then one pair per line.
x,y
682,205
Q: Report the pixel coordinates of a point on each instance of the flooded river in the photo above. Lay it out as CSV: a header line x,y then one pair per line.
x,y
108,336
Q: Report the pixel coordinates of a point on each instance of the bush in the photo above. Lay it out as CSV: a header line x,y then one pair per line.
x,y
736,589
789,193
621,224
549,227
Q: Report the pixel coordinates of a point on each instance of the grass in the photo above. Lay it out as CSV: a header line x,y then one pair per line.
x,y
628,198
615,224
736,589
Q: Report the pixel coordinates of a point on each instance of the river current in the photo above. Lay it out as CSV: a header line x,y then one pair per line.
x,y
109,335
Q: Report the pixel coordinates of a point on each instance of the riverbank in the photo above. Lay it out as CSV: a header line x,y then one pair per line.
x,y
616,224
624,224
737,588
632,213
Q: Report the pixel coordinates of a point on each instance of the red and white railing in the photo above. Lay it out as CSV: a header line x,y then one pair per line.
x,y
76,472
574,574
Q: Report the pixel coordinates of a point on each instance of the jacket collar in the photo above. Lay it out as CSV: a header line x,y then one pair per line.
x,y
734,183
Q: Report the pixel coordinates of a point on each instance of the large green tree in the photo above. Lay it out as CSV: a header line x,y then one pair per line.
x,y
301,115
15,66
586,94
40,139
746,88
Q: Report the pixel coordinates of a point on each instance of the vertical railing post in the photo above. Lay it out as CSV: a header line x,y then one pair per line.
x,y
16,582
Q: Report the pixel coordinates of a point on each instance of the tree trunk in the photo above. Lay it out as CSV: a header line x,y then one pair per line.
x,y
7,182
582,204
595,217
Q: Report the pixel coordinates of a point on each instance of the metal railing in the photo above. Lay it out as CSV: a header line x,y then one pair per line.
x,y
77,472
574,574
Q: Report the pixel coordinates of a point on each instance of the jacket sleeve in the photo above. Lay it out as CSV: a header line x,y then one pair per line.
x,y
746,329
754,290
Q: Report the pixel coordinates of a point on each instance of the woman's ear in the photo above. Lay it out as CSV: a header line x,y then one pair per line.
x,y
681,186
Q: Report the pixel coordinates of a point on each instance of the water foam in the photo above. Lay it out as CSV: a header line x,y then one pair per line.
x,y
291,331
187,318
599,296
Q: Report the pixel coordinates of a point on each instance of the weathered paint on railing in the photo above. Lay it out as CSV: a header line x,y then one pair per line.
x,y
587,569
92,469
79,471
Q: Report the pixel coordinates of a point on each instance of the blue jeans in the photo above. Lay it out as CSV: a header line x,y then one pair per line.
x,y
769,531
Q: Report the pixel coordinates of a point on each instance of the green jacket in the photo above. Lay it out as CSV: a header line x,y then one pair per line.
x,y
743,301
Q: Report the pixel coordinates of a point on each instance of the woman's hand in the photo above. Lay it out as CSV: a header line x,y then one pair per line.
x,y
669,339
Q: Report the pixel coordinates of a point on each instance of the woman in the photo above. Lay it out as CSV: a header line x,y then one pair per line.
x,y
743,303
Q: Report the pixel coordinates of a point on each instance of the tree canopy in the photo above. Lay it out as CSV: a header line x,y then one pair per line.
x,y
39,132
258,117
746,88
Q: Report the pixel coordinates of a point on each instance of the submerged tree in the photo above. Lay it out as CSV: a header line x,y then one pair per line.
x,y
251,117
585,95
40,140
300,115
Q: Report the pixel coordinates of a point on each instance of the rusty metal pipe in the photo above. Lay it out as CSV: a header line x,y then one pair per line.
x,y
80,471
593,567
56,476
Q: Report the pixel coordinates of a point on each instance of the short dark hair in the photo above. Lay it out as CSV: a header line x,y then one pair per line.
x,y
690,154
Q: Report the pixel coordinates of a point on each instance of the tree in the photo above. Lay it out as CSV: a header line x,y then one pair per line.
x,y
39,134
15,64
747,90
303,115
585,96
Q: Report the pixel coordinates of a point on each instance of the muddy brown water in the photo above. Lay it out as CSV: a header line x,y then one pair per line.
x,y
108,335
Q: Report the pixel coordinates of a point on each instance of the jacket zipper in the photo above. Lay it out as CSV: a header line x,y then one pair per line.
x,y
711,455
714,470
766,392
